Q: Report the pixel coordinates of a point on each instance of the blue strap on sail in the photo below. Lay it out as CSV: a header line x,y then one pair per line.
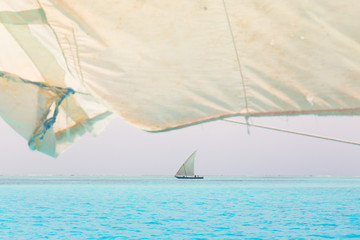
x,y
48,123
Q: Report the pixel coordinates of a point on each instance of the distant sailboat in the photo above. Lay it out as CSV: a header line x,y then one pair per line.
x,y
186,171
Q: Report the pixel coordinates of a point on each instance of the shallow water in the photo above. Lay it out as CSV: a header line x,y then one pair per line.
x,y
167,208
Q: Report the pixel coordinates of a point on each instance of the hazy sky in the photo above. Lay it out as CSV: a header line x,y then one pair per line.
x,y
223,149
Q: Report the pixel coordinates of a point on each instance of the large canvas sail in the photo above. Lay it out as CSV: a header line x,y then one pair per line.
x,y
67,67
187,169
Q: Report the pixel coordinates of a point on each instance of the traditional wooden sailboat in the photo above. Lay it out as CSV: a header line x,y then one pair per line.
x,y
186,170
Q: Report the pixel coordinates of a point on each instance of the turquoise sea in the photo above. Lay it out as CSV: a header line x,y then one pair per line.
x,y
167,208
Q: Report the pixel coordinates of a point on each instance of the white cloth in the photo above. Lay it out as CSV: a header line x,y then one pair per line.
x,y
163,64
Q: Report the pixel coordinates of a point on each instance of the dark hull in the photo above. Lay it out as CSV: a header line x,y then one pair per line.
x,y
185,177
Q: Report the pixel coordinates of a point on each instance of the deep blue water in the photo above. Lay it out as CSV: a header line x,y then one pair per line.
x,y
167,208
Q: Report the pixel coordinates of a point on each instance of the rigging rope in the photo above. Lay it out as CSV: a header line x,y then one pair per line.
x,y
293,132
237,58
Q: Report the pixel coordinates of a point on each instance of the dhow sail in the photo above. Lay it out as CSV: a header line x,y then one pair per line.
x,y
187,169
69,67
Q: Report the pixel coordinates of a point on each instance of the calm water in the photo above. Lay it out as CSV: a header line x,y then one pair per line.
x,y
166,208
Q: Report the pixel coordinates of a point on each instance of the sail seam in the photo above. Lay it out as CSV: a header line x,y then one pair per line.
x,y
56,37
237,58
77,55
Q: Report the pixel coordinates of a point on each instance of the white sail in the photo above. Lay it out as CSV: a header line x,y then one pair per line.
x,y
187,169
67,67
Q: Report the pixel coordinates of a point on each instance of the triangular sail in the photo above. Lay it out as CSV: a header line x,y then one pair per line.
x,y
187,169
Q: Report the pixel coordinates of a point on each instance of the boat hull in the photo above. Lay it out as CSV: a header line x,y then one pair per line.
x,y
187,177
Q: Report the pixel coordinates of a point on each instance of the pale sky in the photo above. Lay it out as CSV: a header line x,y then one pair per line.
x,y
223,149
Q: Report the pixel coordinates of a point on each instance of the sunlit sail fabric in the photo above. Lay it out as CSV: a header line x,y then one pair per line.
x,y
40,97
162,64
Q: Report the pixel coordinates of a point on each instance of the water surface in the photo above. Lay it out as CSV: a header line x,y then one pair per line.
x,y
167,208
